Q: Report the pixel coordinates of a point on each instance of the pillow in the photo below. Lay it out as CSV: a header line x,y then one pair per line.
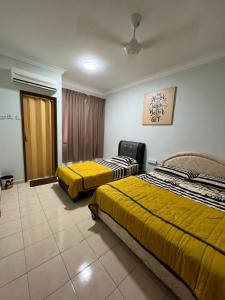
x,y
124,160
183,173
132,160
210,180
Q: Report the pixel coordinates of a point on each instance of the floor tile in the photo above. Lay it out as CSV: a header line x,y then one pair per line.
x,y
40,190
83,202
58,224
32,220
12,267
80,214
40,252
51,204
28,201
5,196
16,290
67,204
10,215
7,206
11,244
23,189
30,209
117,275
93,283
26,194
36,233
64,293
116,295
119,262
9,199
55,212
59,191
78,257
60,194
102,241
47,278
46,196
89,227
67,238
10,192
10,228
142,284
23,185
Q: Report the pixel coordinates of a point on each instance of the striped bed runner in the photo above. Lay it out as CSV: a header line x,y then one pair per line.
x,y
198,193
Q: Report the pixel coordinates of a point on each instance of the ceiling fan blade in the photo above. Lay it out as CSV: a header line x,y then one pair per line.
x,y
95,31
152,41
188,29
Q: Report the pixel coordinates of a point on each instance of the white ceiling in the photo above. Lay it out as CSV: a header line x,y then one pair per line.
x,y
57,32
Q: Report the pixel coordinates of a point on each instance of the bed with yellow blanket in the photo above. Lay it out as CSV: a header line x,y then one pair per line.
x,y
83,176
178,223
88,175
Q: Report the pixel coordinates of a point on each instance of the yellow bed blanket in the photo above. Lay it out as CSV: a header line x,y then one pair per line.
x,y
184,235
83,176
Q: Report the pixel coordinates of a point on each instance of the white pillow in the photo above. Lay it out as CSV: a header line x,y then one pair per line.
x,y
210,180
186,174
124,160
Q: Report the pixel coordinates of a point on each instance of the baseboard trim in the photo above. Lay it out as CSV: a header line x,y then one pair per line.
x,y
41,181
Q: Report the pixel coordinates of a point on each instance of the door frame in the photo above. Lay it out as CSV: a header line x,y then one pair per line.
x,y
22,93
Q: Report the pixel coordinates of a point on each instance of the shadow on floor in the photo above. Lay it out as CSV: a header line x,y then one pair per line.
x,y
81,201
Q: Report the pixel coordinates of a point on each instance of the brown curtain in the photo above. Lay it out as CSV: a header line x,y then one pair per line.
x,y
83,126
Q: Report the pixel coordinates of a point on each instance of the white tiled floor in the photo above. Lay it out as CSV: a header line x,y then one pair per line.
x,y
50,248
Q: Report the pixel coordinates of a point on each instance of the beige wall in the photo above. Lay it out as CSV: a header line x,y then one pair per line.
x,y
199,116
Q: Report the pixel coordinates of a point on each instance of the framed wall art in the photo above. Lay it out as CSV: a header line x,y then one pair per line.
x,y
159,107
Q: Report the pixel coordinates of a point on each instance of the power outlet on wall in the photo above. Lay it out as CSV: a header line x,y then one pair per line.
x,y
153,162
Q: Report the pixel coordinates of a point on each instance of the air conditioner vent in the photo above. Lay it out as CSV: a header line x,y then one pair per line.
x,y
32,79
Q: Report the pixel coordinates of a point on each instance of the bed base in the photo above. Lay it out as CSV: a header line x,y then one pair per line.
x,y
83,194
170,280
133,149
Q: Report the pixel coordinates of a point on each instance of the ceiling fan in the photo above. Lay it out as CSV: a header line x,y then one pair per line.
x,y
99,32
134,47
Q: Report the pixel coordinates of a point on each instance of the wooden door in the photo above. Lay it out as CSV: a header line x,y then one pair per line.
x,y
39,133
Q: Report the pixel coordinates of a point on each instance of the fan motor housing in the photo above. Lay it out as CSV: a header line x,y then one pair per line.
x,y
132,48
136,20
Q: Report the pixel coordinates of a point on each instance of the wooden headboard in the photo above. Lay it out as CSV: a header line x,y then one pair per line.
x,y
197,162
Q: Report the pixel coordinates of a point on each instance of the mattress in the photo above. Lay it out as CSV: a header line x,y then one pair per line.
x,y
149,260
174,221
83,176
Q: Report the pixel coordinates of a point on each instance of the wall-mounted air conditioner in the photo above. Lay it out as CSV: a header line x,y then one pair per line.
x,y
32,79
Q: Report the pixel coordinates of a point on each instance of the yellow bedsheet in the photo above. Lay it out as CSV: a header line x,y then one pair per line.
x,y
83,176
188,237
